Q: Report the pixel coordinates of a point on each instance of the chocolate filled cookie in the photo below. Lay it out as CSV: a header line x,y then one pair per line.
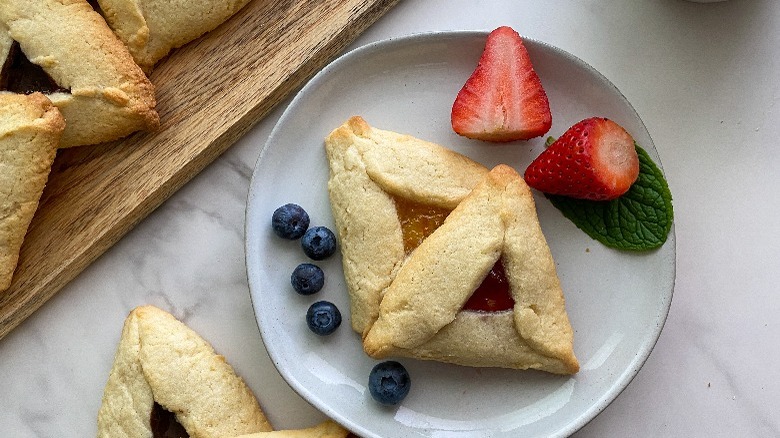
x,y
65,50
374,174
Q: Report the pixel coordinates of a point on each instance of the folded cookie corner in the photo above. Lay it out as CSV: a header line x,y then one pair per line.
x,y
161,361
30,130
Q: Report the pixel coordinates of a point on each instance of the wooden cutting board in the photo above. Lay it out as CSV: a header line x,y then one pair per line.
x,y
209,93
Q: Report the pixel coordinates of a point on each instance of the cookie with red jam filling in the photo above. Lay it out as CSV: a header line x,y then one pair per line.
x,y
444,259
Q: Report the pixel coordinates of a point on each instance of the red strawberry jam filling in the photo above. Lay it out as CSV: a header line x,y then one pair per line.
x,y
419,221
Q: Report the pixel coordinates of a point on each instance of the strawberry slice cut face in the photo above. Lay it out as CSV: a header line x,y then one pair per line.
x,y
595,159
614,158
503,100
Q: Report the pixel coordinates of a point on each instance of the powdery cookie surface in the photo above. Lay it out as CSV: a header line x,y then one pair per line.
x,y
108,95
30,129
152,28
159,359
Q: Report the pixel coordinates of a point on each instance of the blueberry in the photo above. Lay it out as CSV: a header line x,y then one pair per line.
x,y
389,382
323,318
318,243
307,279
290,221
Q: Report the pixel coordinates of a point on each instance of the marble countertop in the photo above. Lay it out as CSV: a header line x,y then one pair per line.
x,y
703,77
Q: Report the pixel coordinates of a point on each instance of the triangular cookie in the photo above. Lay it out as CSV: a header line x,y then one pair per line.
x,y
421,314
369,169
160,361
377,178
100,91
30,129
152,28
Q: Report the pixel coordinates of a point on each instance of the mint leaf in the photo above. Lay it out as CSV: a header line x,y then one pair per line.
x,y
639,220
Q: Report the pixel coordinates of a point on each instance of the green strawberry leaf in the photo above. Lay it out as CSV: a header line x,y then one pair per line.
x,y
639,220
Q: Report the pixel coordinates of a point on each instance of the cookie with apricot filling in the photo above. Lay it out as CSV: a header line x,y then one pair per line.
x,y
166,378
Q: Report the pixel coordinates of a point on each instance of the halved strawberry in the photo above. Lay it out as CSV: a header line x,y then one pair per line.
x,y
503,100
595,159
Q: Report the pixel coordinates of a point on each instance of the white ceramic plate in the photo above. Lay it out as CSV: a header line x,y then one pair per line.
x,y
617,301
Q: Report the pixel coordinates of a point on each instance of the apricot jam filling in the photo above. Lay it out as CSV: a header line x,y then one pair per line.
x,y
419,221
493,294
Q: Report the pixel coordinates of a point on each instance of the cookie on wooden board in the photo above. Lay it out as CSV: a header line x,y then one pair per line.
x,y
83,68
161,361
30,129
369,167
152,28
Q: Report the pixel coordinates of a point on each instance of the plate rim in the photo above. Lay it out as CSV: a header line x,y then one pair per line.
x,y
633,367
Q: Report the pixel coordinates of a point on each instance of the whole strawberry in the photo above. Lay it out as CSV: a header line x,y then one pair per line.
x,y
503,100
595,159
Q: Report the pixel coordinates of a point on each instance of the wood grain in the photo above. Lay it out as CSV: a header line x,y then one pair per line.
x,y
209,93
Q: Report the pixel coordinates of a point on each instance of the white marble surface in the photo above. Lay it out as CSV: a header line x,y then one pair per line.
x,y
704,77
